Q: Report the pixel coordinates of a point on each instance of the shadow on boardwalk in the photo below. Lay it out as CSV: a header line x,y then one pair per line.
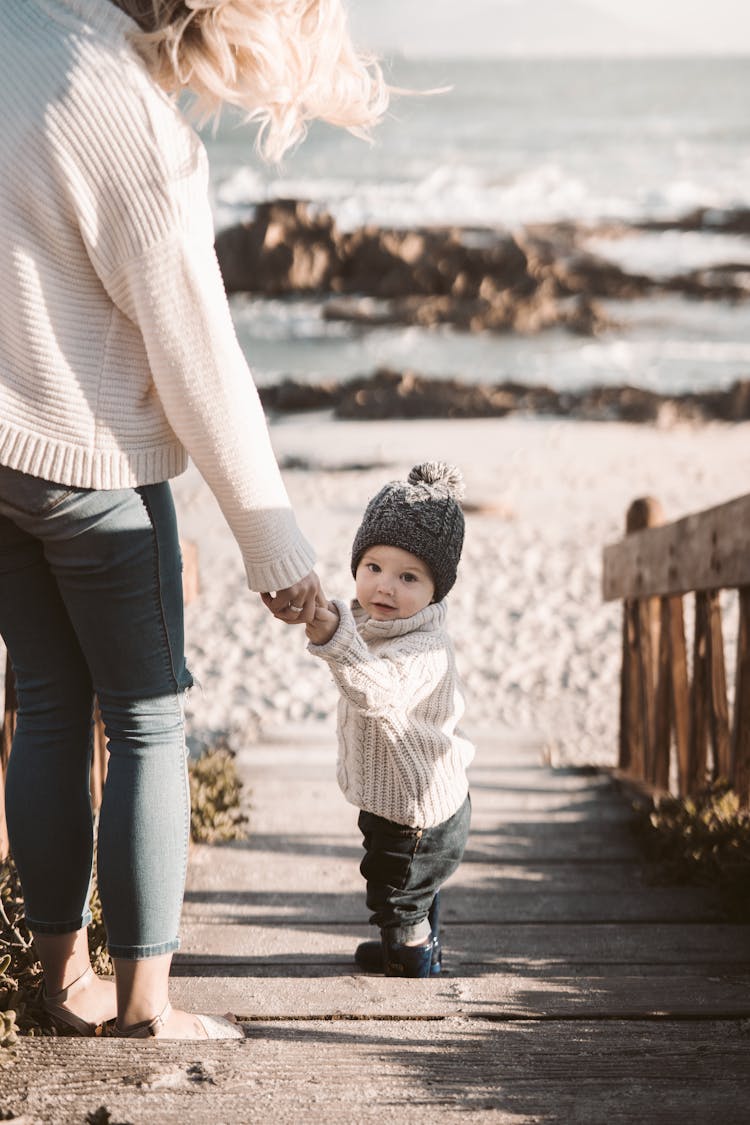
x,y
573,990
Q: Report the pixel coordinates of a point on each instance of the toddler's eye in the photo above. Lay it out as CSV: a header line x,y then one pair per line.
x,y
373,568
409,577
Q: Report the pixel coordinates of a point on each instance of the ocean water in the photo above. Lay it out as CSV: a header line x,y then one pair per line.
x,y
515,142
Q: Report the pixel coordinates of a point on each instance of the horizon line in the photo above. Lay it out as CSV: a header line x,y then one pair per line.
x,y
398,54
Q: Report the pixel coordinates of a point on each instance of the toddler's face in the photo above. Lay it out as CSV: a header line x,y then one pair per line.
x,y
392,583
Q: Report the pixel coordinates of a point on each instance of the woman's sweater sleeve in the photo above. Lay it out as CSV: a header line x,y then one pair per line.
x,y
175,294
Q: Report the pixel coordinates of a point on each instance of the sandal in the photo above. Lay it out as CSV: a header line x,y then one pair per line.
x,y
55,1007
215,1027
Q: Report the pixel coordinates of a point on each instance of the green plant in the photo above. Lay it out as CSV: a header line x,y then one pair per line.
x,y
215,788
702,840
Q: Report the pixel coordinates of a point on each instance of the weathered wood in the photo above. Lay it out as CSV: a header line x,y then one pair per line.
x,y
640,641
490,1072
741,720
699,696
663,705
515,946
632,755
647,677
708,550
4,842
618,994
99,755
10,708
673,624
717,691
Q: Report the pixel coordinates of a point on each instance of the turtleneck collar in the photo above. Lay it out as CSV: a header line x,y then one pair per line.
x,y
431,617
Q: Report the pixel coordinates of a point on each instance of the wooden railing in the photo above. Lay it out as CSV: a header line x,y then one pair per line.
x,y
190,587
674,710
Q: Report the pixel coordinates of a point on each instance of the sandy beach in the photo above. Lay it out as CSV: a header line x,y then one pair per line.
x,y
538,650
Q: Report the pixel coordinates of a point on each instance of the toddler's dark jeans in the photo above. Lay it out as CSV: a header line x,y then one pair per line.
x,y
405,867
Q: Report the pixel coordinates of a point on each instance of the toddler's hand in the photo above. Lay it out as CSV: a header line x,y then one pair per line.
x,y
324,624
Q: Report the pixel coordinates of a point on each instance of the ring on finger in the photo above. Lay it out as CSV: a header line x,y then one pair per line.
x,y
295,608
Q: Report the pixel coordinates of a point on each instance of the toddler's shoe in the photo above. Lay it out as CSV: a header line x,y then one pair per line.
x,y
372,955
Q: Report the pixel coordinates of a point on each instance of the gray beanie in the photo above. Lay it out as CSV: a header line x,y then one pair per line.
x,y
421,515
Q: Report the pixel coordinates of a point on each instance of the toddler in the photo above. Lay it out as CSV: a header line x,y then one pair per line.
x,y
401,759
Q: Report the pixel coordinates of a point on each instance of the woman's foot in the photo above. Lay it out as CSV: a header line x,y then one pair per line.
x,y
173,1023
85,1004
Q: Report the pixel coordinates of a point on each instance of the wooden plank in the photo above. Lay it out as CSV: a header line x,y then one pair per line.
x,y
309,942
639,641
276,874
632,753
484,903
647,609
673,623
4,842
10,707
99,757
343,1071
717,693
708,550
691,995
663,706
741,722
699,696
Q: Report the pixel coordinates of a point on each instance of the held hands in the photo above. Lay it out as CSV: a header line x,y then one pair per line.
x,y
324,623
296,604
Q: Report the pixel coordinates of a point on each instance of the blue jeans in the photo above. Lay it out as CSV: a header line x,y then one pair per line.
x,y
91,602
405,867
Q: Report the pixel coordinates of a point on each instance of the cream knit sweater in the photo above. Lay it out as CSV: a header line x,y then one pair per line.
x,y
400,755
118,356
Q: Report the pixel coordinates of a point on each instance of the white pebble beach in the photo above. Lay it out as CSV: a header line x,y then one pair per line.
x,y
538,649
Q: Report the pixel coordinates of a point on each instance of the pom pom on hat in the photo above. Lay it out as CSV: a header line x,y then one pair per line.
x,y
421,515
439,473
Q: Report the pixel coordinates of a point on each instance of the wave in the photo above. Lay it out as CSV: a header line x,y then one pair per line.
x,y
467,196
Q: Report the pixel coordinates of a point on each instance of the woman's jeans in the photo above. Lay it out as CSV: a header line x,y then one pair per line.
x,y
91,602
405,868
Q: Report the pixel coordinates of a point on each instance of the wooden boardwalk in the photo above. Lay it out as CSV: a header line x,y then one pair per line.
x,y
573,991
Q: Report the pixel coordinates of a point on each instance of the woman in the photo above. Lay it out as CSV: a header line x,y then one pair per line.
x,y
118,359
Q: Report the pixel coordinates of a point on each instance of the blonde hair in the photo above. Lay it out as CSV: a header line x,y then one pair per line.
x,y
283,62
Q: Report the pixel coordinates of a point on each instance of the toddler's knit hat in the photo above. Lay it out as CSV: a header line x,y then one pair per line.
x,y
421,515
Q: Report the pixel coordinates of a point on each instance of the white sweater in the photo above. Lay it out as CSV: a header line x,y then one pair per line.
x,y
118,356
400,754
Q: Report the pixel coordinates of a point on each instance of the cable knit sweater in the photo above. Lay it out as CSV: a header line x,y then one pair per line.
x,y
400,755
118,356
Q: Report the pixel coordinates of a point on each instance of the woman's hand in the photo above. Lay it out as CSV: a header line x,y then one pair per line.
x,y
324,624
296,604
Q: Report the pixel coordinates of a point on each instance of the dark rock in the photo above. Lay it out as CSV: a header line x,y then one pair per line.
x,y
475,280
396,394
284,249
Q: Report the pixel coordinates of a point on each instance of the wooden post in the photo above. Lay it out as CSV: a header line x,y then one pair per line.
x,y
718,709
640,641
98,759
673,624
663,707
8,730
741,721
9,714
699,696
